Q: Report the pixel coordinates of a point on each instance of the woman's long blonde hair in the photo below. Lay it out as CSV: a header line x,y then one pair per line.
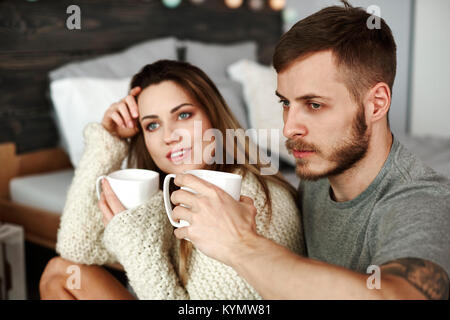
x,y
199,86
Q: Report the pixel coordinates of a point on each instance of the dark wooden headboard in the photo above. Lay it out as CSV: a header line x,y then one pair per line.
x,y
34,39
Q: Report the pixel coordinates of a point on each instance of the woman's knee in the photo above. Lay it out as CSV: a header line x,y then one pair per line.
x,y
54,273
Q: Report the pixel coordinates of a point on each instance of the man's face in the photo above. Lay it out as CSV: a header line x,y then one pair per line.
x,y
326,129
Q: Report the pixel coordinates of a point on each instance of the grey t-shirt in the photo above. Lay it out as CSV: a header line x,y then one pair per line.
x,y
405,212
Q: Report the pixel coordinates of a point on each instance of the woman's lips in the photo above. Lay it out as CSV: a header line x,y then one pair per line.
x,y
179,155
302,153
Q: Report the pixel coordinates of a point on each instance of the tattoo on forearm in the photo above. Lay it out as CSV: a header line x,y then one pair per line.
x,y
429,278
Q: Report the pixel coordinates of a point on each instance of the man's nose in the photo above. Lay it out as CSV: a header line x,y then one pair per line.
x,y
294,124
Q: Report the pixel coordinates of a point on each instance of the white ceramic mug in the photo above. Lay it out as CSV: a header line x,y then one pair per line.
x,y
132,186
229,182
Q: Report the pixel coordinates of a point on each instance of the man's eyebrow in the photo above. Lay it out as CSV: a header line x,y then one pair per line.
x,y
304,97
279,95
154,116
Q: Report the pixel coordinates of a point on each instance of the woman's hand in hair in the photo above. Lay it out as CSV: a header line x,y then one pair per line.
x,y
109,204
121,119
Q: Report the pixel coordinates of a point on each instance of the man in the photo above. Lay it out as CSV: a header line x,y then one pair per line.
x,y
367,203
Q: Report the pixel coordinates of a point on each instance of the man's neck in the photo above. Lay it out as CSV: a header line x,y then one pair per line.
x,y
352,182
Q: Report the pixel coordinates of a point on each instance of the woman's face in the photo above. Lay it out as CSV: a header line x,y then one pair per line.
x,y
168,115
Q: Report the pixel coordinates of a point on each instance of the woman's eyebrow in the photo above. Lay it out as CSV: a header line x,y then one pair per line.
x,y
181,105
154,116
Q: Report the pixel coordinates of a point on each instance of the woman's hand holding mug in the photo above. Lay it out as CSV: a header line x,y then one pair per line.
x,y
108,203
121,118
125,189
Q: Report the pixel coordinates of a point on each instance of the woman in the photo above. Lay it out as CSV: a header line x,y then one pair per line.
x,y
167,98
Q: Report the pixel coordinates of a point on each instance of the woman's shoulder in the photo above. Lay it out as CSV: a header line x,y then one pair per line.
x,y
95,134
95,130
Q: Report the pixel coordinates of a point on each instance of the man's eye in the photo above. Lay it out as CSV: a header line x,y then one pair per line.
x,y
284,103
184,115
315,106
152,126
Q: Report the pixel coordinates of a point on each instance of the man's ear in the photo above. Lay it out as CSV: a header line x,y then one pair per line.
x,y
378,100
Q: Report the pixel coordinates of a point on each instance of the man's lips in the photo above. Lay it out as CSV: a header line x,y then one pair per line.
x,y
302,153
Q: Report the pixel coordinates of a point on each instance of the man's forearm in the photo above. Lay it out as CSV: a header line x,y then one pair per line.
x,y
277,273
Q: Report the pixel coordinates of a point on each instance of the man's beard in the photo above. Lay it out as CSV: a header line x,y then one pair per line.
x,y
345,156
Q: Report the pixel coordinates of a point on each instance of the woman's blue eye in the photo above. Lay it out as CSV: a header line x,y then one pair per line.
x,y
184,115
152,126
315,106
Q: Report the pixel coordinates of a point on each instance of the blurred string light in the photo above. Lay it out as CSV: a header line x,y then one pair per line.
x,y
171,3
233,4
255,5
277,5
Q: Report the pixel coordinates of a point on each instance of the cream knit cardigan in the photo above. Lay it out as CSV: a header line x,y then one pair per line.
x,y
142,239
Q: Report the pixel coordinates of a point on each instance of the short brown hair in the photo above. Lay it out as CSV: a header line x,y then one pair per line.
x,y
364,56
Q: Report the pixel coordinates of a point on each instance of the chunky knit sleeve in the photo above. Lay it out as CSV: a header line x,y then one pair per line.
x,y
81,229
141,239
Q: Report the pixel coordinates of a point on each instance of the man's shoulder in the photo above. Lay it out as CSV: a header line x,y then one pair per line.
x,y
422,196
408,167
409,180
412,192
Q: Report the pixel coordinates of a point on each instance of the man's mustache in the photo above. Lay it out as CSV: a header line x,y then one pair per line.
x,y
292,144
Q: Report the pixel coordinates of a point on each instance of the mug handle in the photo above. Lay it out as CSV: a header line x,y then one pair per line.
x,y
167,205
97,185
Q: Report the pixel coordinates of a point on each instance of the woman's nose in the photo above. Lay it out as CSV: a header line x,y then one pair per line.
x,y
172,135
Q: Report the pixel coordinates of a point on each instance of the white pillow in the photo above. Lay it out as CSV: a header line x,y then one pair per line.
x,y
78,101
121,64
264,111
